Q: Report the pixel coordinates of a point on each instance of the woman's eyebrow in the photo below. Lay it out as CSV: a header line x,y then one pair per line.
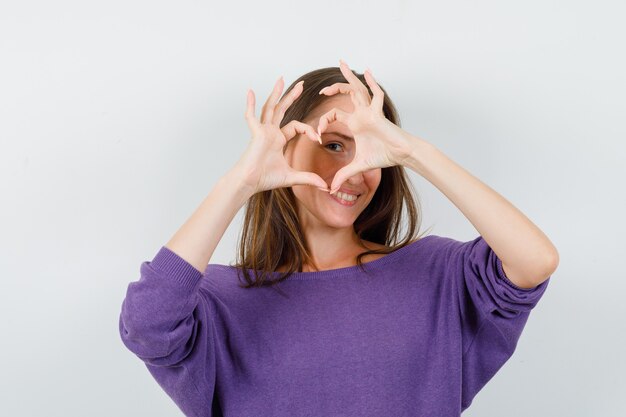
x,y
341,135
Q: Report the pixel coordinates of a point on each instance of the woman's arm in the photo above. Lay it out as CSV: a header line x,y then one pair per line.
x,y
261,167
198,237
528,257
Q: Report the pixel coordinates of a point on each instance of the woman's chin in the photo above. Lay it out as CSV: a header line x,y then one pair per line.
x,y
339,217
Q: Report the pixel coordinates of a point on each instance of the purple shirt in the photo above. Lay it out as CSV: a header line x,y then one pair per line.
x,y
420,335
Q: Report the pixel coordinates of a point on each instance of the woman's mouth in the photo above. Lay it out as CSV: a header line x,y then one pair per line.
x,y
344,199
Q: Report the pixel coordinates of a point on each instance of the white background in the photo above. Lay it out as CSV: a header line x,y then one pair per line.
x,y
118,117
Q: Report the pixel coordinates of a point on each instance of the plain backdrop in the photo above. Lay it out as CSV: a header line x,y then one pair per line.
x,y
117,118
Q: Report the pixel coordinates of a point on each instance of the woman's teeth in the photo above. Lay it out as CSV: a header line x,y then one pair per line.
x,y
346,197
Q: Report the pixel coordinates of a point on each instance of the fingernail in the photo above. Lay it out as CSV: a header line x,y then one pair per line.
x,y
323,189
319,139
322,90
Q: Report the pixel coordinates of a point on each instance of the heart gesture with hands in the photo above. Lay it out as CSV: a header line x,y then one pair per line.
x,y
379,142
263,166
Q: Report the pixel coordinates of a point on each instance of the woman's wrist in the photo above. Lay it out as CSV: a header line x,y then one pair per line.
x,y
416,153
235,178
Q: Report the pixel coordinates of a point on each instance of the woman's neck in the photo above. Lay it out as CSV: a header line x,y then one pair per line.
x,y
346,258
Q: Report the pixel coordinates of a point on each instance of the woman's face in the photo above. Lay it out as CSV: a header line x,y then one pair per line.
x,y
304,154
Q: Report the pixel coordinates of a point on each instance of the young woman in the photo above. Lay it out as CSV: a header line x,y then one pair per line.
x,y
331,310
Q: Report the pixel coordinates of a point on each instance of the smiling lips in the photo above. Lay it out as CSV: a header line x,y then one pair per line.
x,y
344,198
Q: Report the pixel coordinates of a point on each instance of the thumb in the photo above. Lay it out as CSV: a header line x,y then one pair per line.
x,y
343,174
306,178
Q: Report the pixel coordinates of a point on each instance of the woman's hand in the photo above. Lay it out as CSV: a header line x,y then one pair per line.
x,y
263,164
379,142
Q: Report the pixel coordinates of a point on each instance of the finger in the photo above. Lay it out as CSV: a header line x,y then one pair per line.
x,y
306,178
341,176
379,94
329,117
286,102
343,88
295,127
267,111
250,101
361,94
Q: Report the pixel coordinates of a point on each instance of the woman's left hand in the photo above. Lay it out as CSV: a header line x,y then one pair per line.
x,y
379,142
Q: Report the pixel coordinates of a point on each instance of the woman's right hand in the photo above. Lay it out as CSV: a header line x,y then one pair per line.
x,y
263,165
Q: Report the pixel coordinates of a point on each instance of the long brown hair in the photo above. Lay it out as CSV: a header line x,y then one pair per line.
x,y
271,234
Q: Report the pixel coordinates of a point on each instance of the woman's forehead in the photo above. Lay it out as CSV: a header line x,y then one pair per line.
x,y
340,101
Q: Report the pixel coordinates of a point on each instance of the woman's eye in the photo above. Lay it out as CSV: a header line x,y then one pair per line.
x,y
332,144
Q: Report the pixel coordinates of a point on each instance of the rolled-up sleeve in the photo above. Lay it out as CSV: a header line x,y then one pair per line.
x,y
493,311
167,322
